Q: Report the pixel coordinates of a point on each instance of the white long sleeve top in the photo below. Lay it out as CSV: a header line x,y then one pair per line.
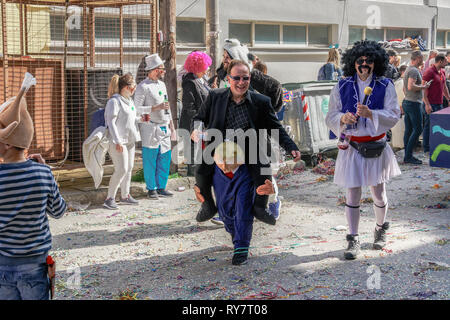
x,y
121,120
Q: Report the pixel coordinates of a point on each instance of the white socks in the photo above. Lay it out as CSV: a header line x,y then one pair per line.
x,y
352,209
380,204
353,199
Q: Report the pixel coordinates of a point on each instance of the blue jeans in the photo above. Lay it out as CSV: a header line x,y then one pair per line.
x,y
426,127
24,282
413,126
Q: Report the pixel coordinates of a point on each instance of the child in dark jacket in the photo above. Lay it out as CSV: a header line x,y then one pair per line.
x,y
235,192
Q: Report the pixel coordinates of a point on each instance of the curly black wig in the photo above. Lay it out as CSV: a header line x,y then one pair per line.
x,y
369,49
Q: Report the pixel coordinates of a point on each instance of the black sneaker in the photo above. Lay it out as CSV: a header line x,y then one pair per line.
x,y
380,237
207,211
264,215
152,194
353,247
164,193
412,161
240,257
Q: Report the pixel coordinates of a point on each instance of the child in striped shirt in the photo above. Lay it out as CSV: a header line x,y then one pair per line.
x,y
28,192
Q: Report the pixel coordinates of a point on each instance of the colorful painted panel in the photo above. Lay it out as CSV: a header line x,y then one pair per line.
x,y
440,138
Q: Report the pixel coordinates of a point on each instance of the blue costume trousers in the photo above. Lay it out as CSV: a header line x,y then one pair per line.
x,y
156,167
234,200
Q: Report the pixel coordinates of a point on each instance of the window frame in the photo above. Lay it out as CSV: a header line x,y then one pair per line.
x,y
446,39
106,42
281,25
385,29
193,44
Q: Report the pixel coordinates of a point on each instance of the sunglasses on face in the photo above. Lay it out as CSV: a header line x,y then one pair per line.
x,y
238,78
367,60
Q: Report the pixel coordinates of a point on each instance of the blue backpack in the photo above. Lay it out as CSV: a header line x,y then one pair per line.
x,y
97,120
321,75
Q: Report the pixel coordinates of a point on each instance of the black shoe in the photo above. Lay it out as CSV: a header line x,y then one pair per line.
x,y
353,247
264,215
240,257
206,212
164,193
413,161
152,194
380,237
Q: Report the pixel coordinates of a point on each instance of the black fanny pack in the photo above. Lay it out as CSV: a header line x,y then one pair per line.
x,y
371,149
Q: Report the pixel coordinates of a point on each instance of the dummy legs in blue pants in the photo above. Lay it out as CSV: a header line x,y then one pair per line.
x,y
156,167
234,199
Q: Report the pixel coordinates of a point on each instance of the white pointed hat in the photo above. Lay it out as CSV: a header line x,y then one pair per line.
x,y
152,61
16,125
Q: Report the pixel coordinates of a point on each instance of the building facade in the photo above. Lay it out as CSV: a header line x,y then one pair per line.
x,y
293,36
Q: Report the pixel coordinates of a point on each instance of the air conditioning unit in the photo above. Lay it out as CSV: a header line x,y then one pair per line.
x,y
430,3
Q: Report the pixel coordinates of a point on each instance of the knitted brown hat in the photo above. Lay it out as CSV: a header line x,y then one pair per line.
x,y
16,125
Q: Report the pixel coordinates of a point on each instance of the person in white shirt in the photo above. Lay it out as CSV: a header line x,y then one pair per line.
x,y
121,121
364,66
157,133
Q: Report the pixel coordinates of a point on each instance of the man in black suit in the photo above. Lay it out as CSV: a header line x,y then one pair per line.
x,y
238,108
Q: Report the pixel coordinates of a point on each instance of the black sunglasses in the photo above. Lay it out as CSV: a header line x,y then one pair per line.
x,y
238,78
367,60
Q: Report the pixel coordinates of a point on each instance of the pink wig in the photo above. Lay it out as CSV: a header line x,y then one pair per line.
x,y
197,62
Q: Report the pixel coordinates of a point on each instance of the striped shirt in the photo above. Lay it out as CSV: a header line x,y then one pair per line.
x,y
28,192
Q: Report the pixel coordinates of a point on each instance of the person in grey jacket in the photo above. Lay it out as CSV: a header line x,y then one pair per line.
x,y
259,81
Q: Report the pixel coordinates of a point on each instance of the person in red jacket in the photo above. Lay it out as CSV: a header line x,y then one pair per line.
x,y
434,95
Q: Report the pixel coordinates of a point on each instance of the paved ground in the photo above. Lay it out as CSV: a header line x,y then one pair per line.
x,y
157,251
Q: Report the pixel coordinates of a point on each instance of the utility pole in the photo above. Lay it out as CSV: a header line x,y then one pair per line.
x,y
168,53
212,32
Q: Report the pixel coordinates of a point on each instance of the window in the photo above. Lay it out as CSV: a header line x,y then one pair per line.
x,y
318,35
143,29
375,34
440,39
355,34
240,31
109,28
394,34
294,34
252,33
57,30
413,33
384,34
191,31
267,34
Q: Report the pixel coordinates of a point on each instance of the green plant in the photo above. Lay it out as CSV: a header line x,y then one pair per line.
x,y
174,176
138,176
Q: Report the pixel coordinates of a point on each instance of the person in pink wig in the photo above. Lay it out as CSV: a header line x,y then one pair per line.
x,y
195,90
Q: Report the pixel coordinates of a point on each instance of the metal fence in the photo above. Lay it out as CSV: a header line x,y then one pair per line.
x,y
73,48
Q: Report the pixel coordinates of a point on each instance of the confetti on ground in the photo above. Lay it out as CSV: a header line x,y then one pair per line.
x,y
290,261
127,295
322,179
326,167
424,295
437,206
442,242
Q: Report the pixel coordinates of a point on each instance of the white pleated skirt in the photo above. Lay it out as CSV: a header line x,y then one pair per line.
x,y
353,170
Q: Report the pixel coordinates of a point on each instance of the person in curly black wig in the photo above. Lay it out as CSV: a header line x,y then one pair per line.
x,y
369,49
363,106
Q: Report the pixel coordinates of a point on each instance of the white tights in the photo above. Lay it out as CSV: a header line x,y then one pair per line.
x,y
353,199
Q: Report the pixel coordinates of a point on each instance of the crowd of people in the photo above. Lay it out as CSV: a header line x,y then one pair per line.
x,y
220,112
